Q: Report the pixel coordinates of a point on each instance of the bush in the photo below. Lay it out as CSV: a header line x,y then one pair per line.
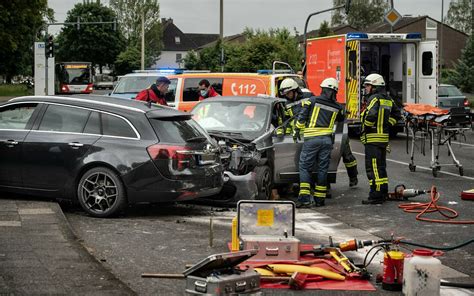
x,y
12,90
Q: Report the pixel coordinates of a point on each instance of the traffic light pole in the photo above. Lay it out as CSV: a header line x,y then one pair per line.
x,y
78,24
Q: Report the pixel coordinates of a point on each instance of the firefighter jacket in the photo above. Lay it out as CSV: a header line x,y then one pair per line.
x,y
292,110
381,113
318,116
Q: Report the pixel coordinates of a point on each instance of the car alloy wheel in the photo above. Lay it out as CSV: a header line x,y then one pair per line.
x,y
100,192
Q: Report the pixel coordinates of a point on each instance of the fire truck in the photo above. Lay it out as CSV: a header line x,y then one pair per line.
x,y
408,65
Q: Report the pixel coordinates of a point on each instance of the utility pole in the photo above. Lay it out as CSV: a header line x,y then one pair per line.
x,y
143,41
221,33
441,40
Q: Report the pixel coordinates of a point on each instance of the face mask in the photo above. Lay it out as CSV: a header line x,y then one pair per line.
x,y
203,92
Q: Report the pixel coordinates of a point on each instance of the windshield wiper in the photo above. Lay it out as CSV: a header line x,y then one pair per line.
x,y
196,139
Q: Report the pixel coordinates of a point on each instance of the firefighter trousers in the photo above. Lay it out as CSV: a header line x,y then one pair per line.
x,y
376,168
316,150
349,160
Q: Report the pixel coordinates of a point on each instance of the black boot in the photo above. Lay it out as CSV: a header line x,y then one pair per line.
x,y
353,181
373,201
319,202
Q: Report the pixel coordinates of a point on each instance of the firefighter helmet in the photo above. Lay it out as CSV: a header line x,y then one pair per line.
x,y
330,83
375,80
287,85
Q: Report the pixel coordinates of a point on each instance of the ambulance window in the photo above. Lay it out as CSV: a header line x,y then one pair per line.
x,y
191,89
427,63
171,94
352,63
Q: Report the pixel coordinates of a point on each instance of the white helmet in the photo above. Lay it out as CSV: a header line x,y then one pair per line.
x,y
375,80
330,83
287,85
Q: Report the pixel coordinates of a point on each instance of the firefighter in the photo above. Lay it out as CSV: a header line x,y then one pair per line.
x,y
291,91
381,113
317,116
350,163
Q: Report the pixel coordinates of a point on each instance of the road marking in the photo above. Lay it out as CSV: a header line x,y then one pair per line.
x,y
427,140
421,167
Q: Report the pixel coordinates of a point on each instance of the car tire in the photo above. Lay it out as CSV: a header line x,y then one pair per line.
x,y
101,193
264,182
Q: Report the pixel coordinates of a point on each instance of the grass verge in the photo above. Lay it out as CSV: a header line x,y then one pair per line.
x,y
14,90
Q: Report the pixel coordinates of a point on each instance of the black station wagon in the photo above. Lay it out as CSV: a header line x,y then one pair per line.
x,y
105,152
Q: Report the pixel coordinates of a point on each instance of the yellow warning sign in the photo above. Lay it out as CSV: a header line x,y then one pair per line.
x,y
392,17
265,217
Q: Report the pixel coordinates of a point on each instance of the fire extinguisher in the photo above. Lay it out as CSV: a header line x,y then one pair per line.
x,y
392,279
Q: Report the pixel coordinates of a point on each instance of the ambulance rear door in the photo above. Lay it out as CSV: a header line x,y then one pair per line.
x,y
352,80
427,72
409,73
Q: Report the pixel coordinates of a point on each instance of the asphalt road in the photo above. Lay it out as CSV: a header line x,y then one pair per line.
x,y
163,239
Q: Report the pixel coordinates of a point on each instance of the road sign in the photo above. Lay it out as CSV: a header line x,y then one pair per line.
x,y
392,17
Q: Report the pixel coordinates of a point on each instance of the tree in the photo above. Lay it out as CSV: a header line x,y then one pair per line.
x,y
460,15
324,29
362,14
463,74
129,13
21,23
128,60
96,43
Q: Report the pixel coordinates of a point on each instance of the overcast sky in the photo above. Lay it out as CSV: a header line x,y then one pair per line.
x,y
202,16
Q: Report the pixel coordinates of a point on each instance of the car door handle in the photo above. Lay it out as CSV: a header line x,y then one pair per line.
x,y
11,142
75,144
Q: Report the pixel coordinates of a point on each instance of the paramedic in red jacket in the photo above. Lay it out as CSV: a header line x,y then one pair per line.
x,y
156,92
206,90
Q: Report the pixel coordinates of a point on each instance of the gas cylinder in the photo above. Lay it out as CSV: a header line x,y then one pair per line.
x,y
421,275
392,279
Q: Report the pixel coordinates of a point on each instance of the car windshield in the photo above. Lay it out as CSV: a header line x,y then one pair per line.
x,y
241,118
134,84
449,91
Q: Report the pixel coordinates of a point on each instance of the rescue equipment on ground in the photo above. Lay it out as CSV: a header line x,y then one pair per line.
x,y
402,193
269,228
422,274
218,275
392,279
468,194
440,126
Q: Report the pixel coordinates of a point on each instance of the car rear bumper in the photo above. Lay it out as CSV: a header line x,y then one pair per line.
x,y
145,184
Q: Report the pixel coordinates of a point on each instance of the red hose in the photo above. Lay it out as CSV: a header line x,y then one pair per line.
x,y
432,206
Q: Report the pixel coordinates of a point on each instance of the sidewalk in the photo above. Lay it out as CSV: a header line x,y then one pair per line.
x,y
39,254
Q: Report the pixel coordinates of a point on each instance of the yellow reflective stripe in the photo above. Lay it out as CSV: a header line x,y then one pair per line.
x,y
384,102
333,118
369,123
351,164
305,103
304,192
372,103
305,185
314,117
380,121
299,124
322,188
392,120
319,194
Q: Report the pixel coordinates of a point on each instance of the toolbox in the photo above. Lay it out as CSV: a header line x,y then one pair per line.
x,y
269,228
218,275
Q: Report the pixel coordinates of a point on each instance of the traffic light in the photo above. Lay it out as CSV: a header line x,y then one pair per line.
x,y
50,47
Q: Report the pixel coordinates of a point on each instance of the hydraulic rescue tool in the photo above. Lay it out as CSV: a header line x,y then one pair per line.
x,y
402,193
350,245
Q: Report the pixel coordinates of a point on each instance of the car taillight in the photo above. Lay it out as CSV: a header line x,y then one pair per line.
x,y
64,88
90,87
180,156
466,103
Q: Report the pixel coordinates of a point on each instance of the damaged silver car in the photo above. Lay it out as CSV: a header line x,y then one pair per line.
x,y
255,158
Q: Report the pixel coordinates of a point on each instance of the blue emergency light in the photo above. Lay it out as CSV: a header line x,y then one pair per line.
x,y
357,35
413,36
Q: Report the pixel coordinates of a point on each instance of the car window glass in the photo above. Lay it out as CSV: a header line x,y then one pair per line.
x,y
177,130
171,94
191,87
115,126
64,119
134,84
16,116
427,63
453,91
93,124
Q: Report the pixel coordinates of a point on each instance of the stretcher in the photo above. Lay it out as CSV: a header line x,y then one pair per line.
x,y
440,127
